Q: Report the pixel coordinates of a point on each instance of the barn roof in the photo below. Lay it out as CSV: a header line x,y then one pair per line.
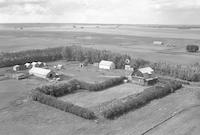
x,y
40,71
146,70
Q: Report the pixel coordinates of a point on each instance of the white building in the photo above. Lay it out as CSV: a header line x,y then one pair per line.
x,y
28,65
106,65
41,72
158,43
16,68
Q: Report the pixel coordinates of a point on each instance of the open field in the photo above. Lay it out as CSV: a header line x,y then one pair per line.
x,y
92,99
177,113
136,41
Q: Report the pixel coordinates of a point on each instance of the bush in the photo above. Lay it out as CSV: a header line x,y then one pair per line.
x,y
102,85
59,89
135,101
192,48
64,106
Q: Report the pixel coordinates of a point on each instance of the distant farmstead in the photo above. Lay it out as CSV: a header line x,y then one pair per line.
x,y
42,73
144,76
106,65
158,43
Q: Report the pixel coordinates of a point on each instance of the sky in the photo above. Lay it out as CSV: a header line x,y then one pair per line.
x,y
101,11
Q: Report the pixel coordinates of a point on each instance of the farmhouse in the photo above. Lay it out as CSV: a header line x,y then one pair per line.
x,y
158,43
42,73
144,76
106,65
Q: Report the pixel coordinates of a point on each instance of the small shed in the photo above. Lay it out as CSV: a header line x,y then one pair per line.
x,y
28,65
158,43
40,64
106,65
128,68
16,68
84,63
42,73
144,76
45,64
20,76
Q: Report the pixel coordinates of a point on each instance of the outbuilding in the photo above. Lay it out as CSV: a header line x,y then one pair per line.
x,y
106,65
16,68
28,65
144,76
42,73
40,64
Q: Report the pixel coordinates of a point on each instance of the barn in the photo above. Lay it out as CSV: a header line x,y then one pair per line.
x,y
144,76
106,65
42,73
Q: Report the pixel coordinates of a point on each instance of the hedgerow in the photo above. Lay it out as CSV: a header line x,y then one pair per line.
x,y
22,57
192,48
131,102
59,89
61,105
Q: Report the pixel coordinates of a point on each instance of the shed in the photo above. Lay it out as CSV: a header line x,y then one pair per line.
x,y
20,76
144,76
59,66
106,65
16,68
128,68
84,63
158,43
42,73
40,64
28,65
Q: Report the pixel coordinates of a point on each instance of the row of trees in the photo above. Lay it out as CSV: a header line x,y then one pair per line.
x,y
77,53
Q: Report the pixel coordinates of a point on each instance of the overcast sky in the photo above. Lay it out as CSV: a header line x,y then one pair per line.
x,y
101,11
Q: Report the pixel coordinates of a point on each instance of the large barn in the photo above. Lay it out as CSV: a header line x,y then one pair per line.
x,y
42,73
106,65
144,76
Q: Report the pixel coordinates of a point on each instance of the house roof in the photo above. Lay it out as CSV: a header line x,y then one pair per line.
x,y
106,63
40,71
146,70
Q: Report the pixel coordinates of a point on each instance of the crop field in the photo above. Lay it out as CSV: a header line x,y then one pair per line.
x,y
92,101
